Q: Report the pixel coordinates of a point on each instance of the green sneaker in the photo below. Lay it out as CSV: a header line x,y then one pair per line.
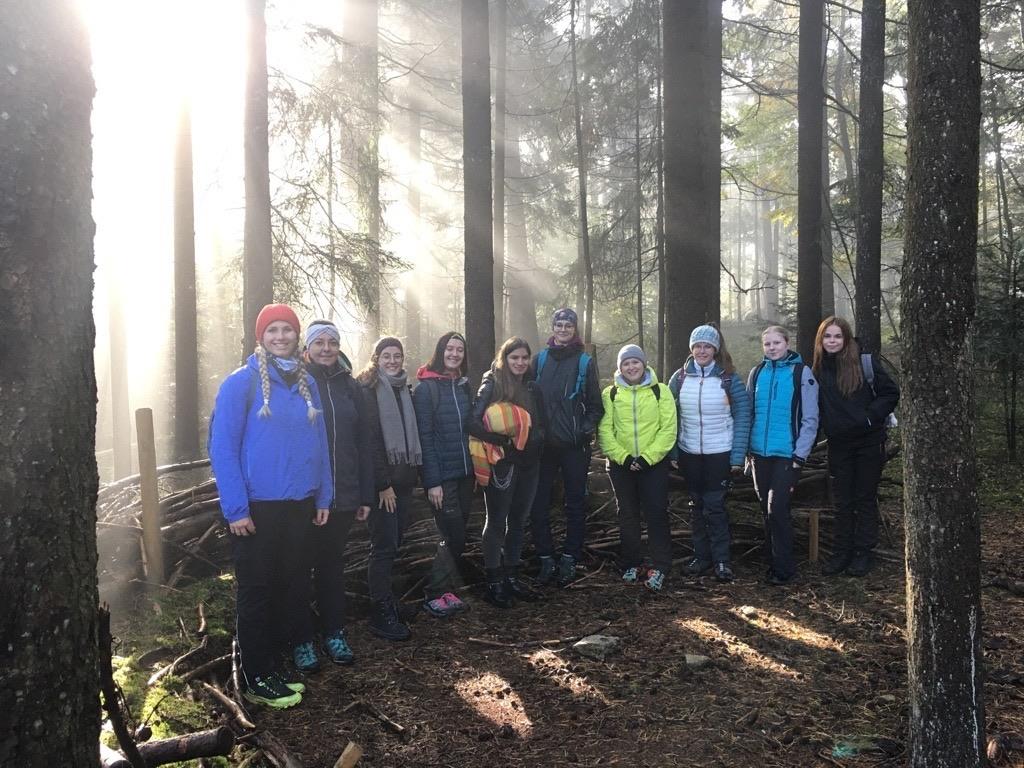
x,y
269,690
289,679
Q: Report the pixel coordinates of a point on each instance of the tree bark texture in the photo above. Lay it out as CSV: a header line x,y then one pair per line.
x,y
498,239
359,27
692,61
810,112
476,158
522,304
586,260
258,267
943,539
868,276
186,352
49,674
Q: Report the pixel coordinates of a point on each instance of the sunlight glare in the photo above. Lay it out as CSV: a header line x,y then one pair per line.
x,y
493,698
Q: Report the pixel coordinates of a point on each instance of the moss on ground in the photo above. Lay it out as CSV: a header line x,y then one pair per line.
x,y
167,706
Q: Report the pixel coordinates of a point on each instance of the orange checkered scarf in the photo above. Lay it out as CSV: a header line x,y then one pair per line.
x,y
503,418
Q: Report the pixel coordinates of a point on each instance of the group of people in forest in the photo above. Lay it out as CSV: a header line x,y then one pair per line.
x,y
301,447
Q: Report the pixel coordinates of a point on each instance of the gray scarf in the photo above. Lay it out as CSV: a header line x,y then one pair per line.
x,y
401,438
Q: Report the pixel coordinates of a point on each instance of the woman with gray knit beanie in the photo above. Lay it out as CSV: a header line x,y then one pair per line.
x,y
714,432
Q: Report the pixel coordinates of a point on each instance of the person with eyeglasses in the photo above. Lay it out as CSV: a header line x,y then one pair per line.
x,y
570,389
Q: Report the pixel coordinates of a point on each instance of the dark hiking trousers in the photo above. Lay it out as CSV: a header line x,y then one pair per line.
x,y
708,481
386,530
856,471
774,481
451,527
272,574
574,464
643,493
507,509
327,543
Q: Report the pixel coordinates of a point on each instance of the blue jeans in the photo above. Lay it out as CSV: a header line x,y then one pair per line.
x,y
574,463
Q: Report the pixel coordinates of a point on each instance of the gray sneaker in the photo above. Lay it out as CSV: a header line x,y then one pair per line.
x,y
547,570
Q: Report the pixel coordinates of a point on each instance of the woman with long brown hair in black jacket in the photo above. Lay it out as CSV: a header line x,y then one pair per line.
x,y
856,397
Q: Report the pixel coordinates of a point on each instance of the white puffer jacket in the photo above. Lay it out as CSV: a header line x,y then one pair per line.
x,y
705,413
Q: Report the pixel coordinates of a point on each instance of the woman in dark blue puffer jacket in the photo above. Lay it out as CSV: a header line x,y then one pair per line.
x,y
443,404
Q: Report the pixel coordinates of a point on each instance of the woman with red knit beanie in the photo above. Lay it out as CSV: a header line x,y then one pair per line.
x,y
268,451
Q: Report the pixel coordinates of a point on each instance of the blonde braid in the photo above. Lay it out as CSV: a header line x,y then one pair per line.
x,y
311,412
261,358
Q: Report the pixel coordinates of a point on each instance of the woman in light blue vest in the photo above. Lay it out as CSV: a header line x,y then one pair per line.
x,y
785,399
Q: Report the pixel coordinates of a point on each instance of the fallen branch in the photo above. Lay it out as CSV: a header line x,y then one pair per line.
x,y
275,750
240,715
111,700
372,710
169,669
205,669
350,756
1001,745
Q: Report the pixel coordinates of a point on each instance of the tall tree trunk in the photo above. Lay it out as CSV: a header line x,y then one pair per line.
x,y
943,540
522,305
359,26
737,288
476,161
186,352
258,267
811,100
1007,365
413,309
638,181
692,57
49,680
120,406
868,276
771,265
659,217
498,238
581,170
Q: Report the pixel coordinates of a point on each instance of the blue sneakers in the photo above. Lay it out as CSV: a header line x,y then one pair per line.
x,y
304,658
337,647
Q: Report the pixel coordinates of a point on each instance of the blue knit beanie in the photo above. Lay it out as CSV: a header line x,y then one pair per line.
x,y
630,351
707,334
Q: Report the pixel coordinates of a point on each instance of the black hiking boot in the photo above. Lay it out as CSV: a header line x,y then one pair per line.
x,y
862,563
566,570
546,574
517,588
838,563
385,621
497,593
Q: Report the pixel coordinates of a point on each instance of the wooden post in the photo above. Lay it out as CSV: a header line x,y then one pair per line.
x,y
152,541
812,535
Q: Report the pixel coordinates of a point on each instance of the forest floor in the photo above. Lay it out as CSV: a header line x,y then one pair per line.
x,y
813,674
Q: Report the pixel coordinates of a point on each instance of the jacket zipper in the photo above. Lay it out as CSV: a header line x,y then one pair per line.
x,y
700,412
458,410
768,416
636,428
334,442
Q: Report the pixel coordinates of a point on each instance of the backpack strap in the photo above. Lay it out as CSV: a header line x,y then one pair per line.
x,y
869,371
542,358
798,399
581,375
656,389
727,386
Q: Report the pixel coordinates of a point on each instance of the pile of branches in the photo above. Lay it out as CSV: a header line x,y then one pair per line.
x,y
196,539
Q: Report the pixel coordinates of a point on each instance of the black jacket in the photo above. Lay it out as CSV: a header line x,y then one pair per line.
x,y
860,418
570,422
349,438
402,477
535,407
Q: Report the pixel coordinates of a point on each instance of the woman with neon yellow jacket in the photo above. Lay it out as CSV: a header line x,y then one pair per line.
x,y
636,433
